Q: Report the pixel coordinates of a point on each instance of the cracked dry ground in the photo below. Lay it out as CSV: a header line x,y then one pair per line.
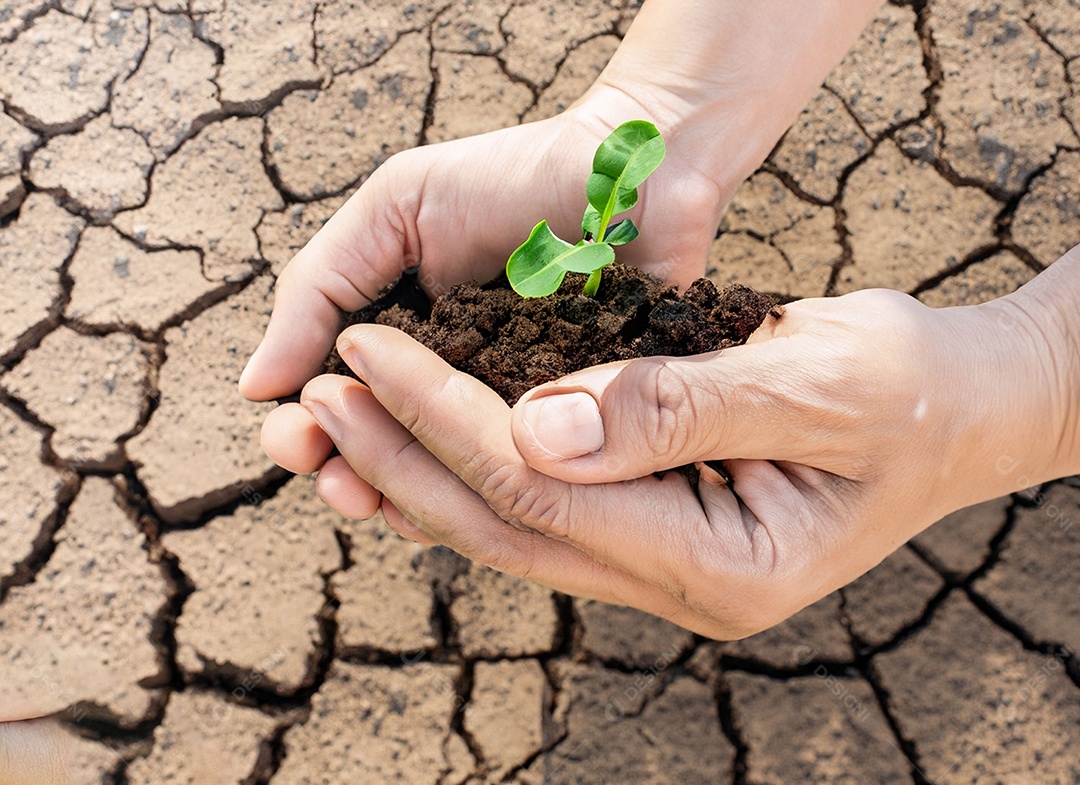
x,y
194,615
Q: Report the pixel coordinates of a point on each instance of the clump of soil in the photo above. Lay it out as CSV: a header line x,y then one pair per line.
x,y
513,344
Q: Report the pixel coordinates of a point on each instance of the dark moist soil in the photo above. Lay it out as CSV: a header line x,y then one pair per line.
x,y
513,344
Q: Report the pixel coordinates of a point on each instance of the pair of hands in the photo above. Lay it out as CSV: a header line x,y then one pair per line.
x,y
846,424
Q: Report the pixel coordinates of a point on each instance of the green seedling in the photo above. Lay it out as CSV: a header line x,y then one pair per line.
x,y
622,163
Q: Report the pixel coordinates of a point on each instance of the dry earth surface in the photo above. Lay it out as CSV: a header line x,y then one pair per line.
x,y
193,615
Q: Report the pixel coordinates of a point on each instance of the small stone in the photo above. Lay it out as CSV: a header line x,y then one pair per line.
x,y
920,140
201,446
473,97
283,234
58,72
820,146
1001,274
539,33
269,48
629,636
576,75
960,543
908,223
386,598
890,598
1045,541
211,194
803,235
817,632
499,615
82,633
506,712
90,389
882,79
172,90
977,706
102,168
203,739
322,142
819,728
1046,218
34,248
353,35
117,284
1001,93
471,26
618,729
29,493
365,725
258,600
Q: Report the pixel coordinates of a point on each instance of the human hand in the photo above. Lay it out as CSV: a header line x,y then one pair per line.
x,y
461,207
32,752
848,425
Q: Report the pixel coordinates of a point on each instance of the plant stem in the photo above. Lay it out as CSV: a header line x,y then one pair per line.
x,y
593,284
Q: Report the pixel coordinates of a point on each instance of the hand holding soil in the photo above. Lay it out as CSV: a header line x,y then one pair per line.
x,y
847,425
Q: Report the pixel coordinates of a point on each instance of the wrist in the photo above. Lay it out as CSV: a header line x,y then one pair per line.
x,y
1042,318
1015,410
725,94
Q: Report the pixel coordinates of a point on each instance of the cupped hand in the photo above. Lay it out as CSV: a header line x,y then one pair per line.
x,y
457,210
846,425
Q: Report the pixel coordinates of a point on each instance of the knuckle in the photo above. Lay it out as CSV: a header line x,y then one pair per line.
x,y
673,416
518,498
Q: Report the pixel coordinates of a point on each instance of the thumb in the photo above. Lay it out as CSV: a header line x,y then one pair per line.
x,y
627,420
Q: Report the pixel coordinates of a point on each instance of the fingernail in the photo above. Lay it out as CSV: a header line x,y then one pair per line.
x,y
326,419
351,355
567,425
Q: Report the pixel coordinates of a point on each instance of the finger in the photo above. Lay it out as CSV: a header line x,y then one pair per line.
x,y
450,513
361,250
293,439
656,413
466,426
33,753
397,521
338,486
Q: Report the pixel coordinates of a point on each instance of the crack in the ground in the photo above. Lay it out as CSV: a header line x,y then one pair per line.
x,y
29,18
729,726
32,337
225,680
428,116
1066,61
25,571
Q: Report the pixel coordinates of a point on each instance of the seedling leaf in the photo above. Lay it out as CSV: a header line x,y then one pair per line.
x,y
590,222
539,264
621,233
622,162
